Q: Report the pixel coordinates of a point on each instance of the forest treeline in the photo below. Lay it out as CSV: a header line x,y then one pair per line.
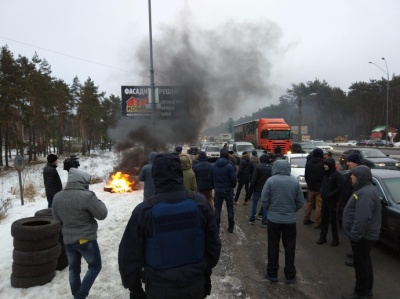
x,y
40,113
329,112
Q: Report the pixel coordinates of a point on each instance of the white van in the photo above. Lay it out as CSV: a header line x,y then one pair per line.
x,y
241,146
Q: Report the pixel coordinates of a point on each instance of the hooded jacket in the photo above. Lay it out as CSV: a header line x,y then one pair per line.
x,y
223,175
362,214
168,181
189,178
146,177
78,208
314,171
332,182
281,194
201,171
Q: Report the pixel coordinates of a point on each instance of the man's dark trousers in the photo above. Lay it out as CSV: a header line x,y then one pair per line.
x,y
363,266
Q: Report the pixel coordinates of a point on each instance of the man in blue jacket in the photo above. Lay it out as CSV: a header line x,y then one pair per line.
x,y
282,198
172,236
204,184
224,179
362,224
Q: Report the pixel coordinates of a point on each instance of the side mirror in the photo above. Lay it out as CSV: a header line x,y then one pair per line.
x,y
383,201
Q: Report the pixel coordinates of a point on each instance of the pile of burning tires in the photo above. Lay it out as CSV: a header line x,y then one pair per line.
x,y
38,250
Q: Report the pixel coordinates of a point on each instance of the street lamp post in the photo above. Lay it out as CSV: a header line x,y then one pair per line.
x,y
300,102
387,98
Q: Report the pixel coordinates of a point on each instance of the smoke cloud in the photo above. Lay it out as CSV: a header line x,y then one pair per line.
x,y
225,71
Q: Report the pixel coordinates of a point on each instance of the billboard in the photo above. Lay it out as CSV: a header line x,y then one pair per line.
x,y
170,101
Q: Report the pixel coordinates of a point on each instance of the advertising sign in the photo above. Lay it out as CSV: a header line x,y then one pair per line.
x,y
170,101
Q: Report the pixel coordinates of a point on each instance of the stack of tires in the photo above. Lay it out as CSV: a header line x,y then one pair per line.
x,y
62,259
36,251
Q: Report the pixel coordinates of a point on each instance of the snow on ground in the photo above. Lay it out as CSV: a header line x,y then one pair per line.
x,y
120,206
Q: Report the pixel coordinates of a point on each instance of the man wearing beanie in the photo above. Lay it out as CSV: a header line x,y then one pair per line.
x,y
224,179
52,181
313,174
172,236
353,160
204,184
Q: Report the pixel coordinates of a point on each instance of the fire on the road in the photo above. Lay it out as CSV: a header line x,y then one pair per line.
x,y
119,182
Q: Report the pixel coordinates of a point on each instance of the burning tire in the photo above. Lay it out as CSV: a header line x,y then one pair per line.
x,y
30,245
35,228
37,257
27,282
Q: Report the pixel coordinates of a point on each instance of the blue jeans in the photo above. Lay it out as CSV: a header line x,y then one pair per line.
x,y
91,253
256,197
219,197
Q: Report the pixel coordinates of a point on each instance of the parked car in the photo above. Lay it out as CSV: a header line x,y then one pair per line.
x,y
302,148
298,166
361,143
396,144
387,184
371,157
322,145
213,153
379,143
193,149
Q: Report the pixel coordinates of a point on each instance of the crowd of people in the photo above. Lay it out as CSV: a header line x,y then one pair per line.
x,y
172,241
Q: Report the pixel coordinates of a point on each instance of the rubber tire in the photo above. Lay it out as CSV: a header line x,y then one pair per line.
x,y
44,213
23,245
37,257
24,271
62,262
19,282
35,228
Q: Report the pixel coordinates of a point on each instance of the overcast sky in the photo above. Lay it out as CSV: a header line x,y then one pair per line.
x,y
283,42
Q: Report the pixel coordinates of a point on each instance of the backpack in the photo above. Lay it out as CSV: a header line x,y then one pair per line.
x,y
177,237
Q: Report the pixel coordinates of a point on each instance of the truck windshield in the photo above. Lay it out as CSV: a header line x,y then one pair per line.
x,y
277,135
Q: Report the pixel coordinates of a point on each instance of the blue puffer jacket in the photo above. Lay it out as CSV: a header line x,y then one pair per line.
x,y
223,175
146,177
282,195
201,170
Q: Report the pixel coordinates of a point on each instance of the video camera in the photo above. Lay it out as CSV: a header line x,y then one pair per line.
x,y
71,162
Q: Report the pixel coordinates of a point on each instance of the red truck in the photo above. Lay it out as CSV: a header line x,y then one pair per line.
x,y
265,133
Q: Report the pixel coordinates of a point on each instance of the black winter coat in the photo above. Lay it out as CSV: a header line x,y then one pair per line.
x,y
201,170
52,181
314,173
246,169
260,175
332,182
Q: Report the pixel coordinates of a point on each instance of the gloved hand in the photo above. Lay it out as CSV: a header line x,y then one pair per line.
x,y
139,294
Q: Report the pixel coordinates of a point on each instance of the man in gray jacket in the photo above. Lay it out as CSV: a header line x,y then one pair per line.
x,y
282,197
362,224
146,177
78,208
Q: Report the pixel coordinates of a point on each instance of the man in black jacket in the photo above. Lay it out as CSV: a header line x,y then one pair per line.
x,y
244,176
172,236
313,174
52,181
260,175
330,191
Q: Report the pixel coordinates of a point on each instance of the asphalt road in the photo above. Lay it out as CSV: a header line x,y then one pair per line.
x,y
321,272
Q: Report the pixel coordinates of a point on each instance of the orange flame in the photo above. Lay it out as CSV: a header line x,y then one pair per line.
x,y
119,183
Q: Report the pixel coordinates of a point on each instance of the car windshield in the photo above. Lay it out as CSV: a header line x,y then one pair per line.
x,y
319,143
372,153
245,148
393,185
307,146
280,135
212,149
299,162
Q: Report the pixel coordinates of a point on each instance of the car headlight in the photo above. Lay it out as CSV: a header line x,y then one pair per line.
x,y
380,164
398,164
289,152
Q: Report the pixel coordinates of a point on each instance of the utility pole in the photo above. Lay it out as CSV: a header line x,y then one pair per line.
x,y
152,84
299,103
